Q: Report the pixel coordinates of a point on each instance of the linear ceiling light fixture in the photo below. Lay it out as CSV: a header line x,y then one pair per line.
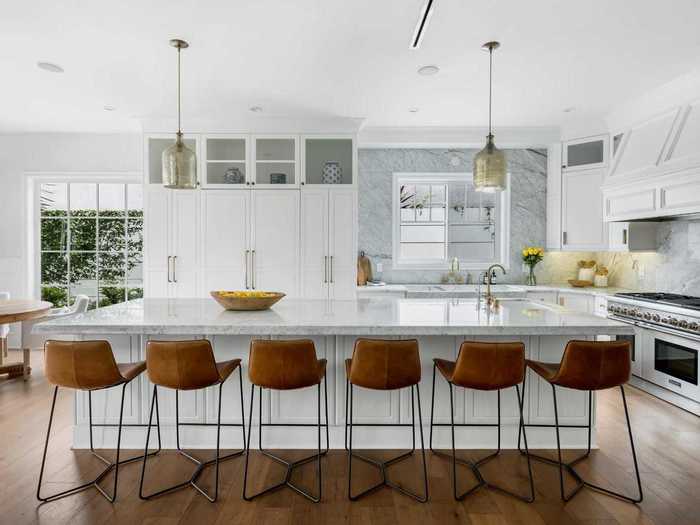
x,y
422,24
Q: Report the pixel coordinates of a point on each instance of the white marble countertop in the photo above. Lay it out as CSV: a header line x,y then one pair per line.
x,y
437,290
369,316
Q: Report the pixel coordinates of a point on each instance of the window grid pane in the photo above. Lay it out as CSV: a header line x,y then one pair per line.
x,y
91,242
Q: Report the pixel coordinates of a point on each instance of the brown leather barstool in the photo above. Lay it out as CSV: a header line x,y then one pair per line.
x,y
379,364
88,366
486,367
587,365
189,365
286,365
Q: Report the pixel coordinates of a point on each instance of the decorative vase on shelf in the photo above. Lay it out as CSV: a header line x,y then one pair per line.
x,y
233,176
531,279
331,173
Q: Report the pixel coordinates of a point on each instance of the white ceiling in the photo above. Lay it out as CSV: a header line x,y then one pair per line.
x,y
334,58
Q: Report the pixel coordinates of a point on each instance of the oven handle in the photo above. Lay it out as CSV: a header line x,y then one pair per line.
x,y
684,335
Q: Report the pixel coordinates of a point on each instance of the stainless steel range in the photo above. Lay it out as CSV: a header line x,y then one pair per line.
x,y
666,342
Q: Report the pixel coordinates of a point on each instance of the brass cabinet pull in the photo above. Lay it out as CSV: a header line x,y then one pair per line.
x,y
169,279
624,236
245,265
325,268
174,267
252,264
331,269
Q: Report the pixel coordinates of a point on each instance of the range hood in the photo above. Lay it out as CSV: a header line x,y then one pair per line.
x,y
655,170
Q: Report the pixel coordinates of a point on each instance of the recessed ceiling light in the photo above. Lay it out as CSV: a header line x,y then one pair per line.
x,y
48,66
422,24
109,108
426,71
256,109
413,110
569,109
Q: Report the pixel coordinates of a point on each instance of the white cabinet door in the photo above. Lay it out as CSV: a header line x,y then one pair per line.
x,y
275,241
225,228
184,221
585,153
576,301
156,241
583,227
342,244
544,297
314,243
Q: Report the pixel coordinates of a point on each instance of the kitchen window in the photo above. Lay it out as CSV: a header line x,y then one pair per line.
x,y
438,217
90,241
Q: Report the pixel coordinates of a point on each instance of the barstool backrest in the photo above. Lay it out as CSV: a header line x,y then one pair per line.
x,y
283,365
489,366
594,365
182,365
83,365
385,364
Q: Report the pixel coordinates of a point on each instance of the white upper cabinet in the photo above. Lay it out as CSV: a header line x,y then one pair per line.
x,y
225,161
583,228
330,161
585,153
275,161
154,145
632,236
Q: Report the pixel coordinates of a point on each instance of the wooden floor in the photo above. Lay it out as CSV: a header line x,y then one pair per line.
x,y
668,446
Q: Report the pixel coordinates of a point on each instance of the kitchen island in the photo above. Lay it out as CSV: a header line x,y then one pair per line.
x,y
439,324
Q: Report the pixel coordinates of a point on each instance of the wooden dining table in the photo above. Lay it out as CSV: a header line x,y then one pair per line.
x,y
21,311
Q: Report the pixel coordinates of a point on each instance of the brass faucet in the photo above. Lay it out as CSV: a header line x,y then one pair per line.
x,y
490,299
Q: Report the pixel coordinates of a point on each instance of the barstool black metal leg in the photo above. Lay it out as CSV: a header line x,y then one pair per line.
x,y
432,409
347,384
109,465
383,465
290,465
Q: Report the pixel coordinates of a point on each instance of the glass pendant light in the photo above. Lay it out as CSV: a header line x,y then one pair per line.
x,y
179,161
490,162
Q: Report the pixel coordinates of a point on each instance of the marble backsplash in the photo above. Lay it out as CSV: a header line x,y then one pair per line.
x,y
376,167
674,267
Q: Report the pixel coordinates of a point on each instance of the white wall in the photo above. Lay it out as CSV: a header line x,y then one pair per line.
x,y
59,152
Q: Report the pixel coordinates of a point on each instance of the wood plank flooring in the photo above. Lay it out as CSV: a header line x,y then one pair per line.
x,y
668,447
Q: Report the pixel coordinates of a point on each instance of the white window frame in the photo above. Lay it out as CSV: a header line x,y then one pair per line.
x,y
502,224
34,180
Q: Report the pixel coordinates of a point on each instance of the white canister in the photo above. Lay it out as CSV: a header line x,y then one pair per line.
x,y
586,274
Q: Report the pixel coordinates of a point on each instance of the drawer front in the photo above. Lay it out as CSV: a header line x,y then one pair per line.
x,y
627,205
680,197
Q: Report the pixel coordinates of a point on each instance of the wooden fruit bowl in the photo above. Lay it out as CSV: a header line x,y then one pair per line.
x,y
576,283
242,303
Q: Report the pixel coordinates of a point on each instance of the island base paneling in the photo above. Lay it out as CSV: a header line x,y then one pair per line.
x,y
370,406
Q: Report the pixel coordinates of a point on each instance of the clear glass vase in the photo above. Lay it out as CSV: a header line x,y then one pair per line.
x,y
531,279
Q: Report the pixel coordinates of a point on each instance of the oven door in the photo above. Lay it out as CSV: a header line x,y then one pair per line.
x,y
672,362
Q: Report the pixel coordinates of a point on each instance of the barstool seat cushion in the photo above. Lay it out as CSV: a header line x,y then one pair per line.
x,y
382,364
225,368
182,365
588,365
285,365
130,370
485,366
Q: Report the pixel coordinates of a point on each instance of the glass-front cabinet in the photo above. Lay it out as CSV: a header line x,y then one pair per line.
x,y
154,146
586,153
225,161
329,160
275,161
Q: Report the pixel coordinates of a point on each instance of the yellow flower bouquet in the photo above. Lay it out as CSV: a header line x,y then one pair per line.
x,y
531,255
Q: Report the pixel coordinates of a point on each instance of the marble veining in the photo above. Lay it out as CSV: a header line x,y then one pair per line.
x,y
368,316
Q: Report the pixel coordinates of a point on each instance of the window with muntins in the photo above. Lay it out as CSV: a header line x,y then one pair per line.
x,y
91,242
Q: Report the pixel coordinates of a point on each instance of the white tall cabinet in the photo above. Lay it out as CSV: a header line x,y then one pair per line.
x,y
171,263
282,234
329,237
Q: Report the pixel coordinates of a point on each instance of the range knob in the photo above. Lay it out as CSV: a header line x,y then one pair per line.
x,y
665,320
624,311
693,326
683,323
640,314
656,318
673,321
647,316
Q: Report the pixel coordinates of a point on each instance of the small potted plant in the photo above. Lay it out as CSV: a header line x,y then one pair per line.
x,y
531,256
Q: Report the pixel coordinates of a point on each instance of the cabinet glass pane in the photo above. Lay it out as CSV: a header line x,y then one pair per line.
x,y
233,173
225,149
155,155
275,173
584,153
274,149
328,161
